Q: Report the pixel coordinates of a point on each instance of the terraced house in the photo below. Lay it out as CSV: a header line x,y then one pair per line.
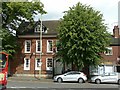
x,y
111,58
27,61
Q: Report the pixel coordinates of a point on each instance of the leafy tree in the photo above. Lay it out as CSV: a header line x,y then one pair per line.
x,y
9,42
13,13
82,36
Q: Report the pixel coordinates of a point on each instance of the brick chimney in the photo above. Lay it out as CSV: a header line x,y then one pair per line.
x,y
116,33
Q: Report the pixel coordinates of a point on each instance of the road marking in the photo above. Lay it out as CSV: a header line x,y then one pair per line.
x,y
16,87
26,87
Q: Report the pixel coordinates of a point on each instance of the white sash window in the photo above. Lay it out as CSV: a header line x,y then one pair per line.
x,y
49,46
27,46
109,51
37,64
38,48
26,64
49,64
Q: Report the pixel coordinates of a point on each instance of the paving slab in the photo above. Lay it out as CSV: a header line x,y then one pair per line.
x,y
25,78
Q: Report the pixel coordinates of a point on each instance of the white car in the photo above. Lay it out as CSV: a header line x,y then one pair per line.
x,y
71,76
108,77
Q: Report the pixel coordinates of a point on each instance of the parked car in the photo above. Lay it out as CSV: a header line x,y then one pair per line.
x,y
71,76
108,77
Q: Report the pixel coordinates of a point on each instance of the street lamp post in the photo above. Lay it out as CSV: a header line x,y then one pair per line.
x,y
40,46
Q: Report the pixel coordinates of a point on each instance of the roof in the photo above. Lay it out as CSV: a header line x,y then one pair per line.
x,y
27,28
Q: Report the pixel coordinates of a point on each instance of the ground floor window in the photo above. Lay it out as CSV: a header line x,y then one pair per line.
x,y
26,64
37,64
93,70
101,69
49,64
118,68
109,68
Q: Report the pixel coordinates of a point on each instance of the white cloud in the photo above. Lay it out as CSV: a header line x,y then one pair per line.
x,y
109,9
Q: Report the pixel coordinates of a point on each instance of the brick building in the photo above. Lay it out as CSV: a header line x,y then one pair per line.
x,y
111,58
27,60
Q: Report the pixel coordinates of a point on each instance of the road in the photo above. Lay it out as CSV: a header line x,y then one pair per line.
x,y
37,85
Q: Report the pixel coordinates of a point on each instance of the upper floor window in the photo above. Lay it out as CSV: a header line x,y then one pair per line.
x,y
57,45
49,45
27,46
38,47
38,28
109,51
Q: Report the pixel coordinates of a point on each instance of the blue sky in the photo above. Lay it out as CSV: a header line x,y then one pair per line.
x,y
55,9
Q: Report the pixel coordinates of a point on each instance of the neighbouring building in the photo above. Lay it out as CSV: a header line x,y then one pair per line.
x,y
111,58
27,60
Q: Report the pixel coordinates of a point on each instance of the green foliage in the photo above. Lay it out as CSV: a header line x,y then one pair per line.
x,y
83,36
13,13
9,42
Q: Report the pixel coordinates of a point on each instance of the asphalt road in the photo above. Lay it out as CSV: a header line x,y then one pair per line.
x,y
37,85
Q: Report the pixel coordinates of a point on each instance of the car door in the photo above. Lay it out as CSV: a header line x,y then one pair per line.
x,y
105,78
75,76
113,77
109,77
68,76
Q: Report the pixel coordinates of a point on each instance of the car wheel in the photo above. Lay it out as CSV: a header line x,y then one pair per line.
x,y
97,81
80,80
59,80
119,81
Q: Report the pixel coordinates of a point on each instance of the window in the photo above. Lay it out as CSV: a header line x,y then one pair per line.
x,y
93,70
26,64
27,46
69,73
57,45
49,64
49,46
37,64
76,73
38,46
108,51
38,28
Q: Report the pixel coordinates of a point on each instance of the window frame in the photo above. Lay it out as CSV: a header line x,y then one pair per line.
x,y
37,46
37,67
25,66
26,46
47,67
37,29
57,41
49,51
110,52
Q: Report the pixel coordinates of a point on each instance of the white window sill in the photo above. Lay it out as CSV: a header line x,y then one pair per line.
x,y
27,52
49,51
108,54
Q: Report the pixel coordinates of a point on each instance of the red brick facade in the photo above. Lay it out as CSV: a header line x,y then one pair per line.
x,y
113,59
17,65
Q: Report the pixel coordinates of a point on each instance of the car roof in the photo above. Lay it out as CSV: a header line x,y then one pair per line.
x,y
74,71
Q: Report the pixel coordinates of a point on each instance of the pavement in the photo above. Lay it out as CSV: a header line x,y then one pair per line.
x,y
28,78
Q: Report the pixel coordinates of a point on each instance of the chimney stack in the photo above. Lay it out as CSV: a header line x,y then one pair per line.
x,y
116,32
